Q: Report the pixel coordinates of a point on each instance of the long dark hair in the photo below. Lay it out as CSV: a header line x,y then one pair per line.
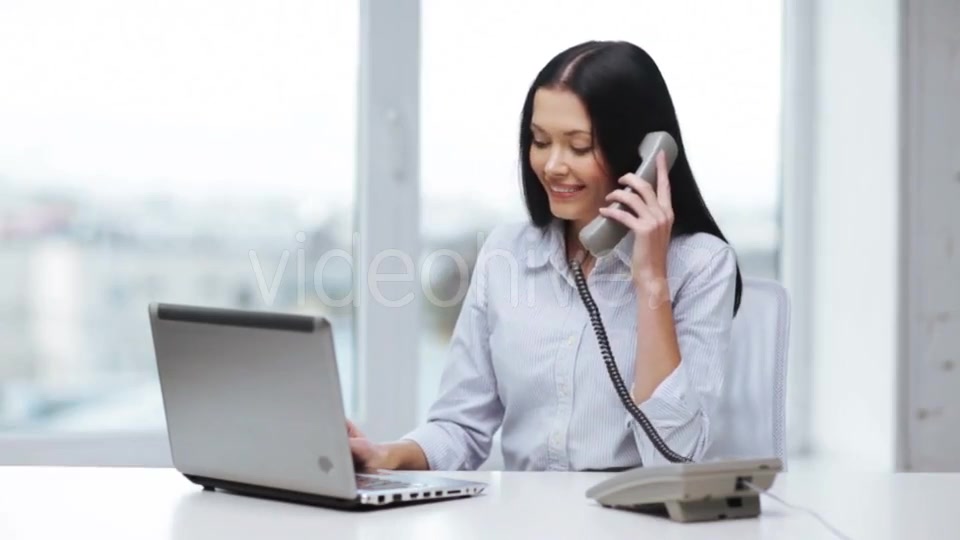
x,y
626,97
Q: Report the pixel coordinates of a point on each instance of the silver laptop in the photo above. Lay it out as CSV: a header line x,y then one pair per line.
x,y
253,405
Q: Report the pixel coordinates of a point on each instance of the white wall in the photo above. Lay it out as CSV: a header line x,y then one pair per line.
x,y
855,223
885,313
931,371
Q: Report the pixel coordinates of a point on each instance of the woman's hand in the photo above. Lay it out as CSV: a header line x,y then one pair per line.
x,y
370,456
651,225
366,454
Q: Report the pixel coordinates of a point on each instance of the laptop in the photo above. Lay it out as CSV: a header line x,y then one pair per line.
x,y
253,406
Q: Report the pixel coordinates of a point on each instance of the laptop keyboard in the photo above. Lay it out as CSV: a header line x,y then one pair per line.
x,y
373,483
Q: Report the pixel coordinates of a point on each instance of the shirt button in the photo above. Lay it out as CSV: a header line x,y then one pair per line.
x,y
555,439
563,389
570,340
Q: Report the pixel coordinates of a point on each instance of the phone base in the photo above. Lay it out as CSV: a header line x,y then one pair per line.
x,y
740,506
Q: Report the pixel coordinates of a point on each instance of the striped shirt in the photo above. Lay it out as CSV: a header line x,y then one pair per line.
x,y
523,357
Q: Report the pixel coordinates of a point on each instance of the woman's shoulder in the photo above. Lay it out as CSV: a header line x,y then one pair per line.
x,y
700,253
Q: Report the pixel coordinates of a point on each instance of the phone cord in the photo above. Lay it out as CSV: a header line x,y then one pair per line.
x,y
615,377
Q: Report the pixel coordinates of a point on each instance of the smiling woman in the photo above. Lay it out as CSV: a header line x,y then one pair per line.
x,y
582,122
742,101
599,100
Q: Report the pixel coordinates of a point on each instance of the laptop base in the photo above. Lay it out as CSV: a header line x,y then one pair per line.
x,y
241,488
311,499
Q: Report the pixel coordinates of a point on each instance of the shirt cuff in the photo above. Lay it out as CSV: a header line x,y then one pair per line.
x,y
677,416
437,445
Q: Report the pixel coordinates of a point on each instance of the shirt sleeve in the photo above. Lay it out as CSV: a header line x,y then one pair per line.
x,y
680,408
461,423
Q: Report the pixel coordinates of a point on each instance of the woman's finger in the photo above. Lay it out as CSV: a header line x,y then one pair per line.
x,y
641,187
353,430
626,218
645,191
632,201
362,452
663,183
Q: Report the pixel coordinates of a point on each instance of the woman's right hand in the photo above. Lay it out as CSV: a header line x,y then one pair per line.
x,y
367,455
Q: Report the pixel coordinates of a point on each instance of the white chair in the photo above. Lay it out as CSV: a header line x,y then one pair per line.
x,y
750,420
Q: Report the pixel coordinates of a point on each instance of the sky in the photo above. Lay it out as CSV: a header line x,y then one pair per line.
x,y
257,99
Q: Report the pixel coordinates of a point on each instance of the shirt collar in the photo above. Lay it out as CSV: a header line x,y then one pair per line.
x,y
549,245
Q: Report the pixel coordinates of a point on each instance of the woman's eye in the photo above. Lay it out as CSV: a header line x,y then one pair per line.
x,y
540,144
582,151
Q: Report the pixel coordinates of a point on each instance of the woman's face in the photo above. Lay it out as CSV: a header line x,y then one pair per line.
x,y
564,156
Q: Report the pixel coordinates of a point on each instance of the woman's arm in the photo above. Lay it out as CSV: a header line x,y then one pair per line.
x,y
681,356
405,455
681,348
461,422
368,455
658,352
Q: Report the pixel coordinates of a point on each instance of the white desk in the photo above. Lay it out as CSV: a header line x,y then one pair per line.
x,y
121,504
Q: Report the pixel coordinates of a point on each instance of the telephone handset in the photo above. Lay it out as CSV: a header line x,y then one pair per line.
x,y
683,490
602,234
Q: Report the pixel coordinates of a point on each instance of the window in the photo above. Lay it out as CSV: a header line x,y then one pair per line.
x,y
724,79
178,152
197,152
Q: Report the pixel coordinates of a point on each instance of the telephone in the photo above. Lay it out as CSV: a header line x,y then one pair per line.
x,y
602,234
684,491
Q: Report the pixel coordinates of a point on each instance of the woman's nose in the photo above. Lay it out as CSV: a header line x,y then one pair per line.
x,y
555,165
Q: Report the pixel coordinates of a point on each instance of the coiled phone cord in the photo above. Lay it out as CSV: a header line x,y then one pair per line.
x,y
615,377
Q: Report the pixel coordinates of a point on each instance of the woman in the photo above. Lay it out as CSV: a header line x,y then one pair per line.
x,y
523,355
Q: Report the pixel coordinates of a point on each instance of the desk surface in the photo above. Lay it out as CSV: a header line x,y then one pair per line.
x,y
148,504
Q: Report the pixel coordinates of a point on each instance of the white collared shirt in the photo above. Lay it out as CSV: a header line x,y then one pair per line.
x,y
523,357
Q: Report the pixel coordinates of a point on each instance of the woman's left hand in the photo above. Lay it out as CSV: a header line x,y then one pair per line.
x,y
651,224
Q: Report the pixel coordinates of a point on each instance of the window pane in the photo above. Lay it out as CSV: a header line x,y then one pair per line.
x,y
721,62
189,152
